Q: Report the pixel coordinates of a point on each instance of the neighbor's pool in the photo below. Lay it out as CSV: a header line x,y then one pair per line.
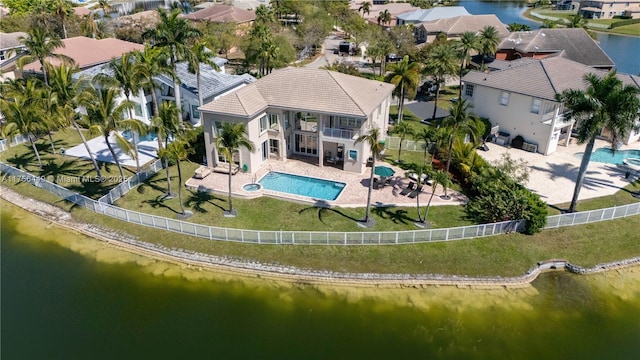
x,y
606,155
302,185
147,137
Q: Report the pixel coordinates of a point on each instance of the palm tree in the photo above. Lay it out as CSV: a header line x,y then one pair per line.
x,y
178,150
151,62
376,147
106,8
438,177
577,21
106,117
605,103
468,42
489,41
230,140
403,130
62,9
459,120
40,45
426,134
421,169
124,75
365,7
165,125
22,118
384,17
441,62
68,92
173,34
198,55
405,76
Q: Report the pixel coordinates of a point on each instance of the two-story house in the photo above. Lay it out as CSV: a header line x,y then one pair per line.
x,y
296,112
519,97
608,9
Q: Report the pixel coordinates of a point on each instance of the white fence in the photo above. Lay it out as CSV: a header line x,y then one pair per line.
x,y
314,237
18,139
124,187
393,143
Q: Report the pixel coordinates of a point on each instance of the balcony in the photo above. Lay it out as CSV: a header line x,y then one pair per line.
x,y
558,121
340,133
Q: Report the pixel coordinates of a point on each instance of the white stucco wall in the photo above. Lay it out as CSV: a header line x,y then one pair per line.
x,y
515,118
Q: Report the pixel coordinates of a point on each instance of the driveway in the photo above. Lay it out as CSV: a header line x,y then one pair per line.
x,y
424,109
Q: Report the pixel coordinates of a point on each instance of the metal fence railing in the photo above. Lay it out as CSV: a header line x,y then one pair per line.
x,y
124,187
315,237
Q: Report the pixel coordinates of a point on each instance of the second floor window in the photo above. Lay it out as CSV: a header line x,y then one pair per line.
x,y
504,98
535,106
468,90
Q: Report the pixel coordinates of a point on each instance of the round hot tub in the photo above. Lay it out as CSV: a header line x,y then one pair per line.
x,y
252,187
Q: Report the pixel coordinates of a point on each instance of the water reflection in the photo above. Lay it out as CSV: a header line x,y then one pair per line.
x,y
60,304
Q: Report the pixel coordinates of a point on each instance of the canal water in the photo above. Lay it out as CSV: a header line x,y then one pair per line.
x,y
623,50
66,296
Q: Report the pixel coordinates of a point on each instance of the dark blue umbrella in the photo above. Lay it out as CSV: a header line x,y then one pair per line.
x,y
383,171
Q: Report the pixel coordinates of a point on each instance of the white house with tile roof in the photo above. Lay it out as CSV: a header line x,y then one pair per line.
x,y
213,83
296,112
453,27
519,96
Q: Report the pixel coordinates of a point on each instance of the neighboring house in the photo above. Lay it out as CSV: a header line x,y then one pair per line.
x,y
87,52
574,44
317,114
223,14
426,15
455,26
520,98
608,9
81,11
214,84
10,50
394,9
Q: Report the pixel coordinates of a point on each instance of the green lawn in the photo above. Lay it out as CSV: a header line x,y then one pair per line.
x,y
622,197
266,213
633,29
70,172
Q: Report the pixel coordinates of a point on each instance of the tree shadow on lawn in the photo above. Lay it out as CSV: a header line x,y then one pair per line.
x,y
158,202
398,216
157,182
198,199
323,209
22,161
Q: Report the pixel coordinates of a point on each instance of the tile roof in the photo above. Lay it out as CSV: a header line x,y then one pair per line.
x,y
11,40
435,13
222,13
394,8
460,24
540,78
87,52
305,89
576,43
213,83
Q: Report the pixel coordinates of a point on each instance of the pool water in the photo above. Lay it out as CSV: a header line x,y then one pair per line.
x,y
606,155
147,137
251,187
302,185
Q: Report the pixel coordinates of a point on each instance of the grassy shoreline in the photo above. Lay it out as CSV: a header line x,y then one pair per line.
x,y
505,255
627,30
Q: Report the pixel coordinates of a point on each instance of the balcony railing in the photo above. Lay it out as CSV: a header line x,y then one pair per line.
x,y
340,133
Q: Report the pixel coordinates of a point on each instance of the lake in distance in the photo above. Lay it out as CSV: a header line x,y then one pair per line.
x,y
65,296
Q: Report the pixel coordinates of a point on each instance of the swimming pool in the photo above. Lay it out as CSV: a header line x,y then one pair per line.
x,y
606,155
147,137
302,185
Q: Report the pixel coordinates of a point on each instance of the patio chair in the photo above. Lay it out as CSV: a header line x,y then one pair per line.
x,y
376,184
415,192
408,189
